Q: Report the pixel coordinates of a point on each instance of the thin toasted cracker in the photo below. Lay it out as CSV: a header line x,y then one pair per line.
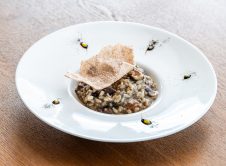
x,y
102,70
118,51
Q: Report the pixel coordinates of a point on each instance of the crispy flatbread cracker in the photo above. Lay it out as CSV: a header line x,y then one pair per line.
x,y
105,68
118,51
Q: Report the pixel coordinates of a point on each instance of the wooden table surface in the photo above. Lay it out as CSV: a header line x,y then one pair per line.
x,y
25,140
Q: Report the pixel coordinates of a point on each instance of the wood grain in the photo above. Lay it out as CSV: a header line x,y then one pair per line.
x,y
25,140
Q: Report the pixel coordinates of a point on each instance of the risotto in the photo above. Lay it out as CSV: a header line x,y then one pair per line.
x,y
132,93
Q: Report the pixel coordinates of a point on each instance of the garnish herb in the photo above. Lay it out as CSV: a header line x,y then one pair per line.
x,y
56,101
84,45
187,76
151,45
146,121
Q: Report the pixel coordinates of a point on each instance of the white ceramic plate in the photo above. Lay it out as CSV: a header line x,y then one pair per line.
x,y
40,79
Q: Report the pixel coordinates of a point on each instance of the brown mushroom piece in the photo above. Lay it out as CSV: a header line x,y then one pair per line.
x,y
136,75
